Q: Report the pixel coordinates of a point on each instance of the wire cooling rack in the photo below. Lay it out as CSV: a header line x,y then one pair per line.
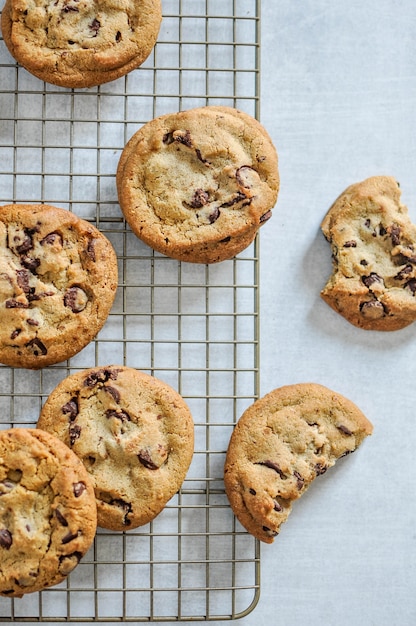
x,y
193,326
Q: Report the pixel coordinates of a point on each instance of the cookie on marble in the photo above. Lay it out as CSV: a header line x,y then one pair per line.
x,y
134,434
80,43
197,185
373,242
48,515
58,280
280,444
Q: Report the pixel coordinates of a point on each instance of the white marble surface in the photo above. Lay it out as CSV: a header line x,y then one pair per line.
x,y
339,100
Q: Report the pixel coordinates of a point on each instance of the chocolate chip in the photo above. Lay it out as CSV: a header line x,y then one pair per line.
x,y
239,197
243,176
23,280
91,249
268,531
408,269
38,347
363,262
344,429
265,217
225,240
79,488
12,303
252,491
32,322
371,279
26,242
350,244
30,264
51,239
382,231
113,392
70,537
394,232
70,9
274,466
373,309
74,433
168,138
146,459
214,215
127,508
120,415
300,481
200,157
95,26
71,409
118,36
75,299
411,284
6,538
100,376
277,506
183,137
68,562
320,469
61,518
199,199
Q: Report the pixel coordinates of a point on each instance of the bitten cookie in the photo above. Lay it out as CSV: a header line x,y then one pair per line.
x,y
373,283
197,185
80,43
58,279
280,444
48,515
133,433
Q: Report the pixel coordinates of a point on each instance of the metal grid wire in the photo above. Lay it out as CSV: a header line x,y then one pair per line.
x,y
193,326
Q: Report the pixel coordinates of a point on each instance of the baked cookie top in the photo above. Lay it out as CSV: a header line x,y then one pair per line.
x,y
58,279
80,43
280,444
134,434
373,241
197,185
48,516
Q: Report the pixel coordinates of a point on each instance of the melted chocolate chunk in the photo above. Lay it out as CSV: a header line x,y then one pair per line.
x,y
70,537
411,284
12,303
75,299
243,176
371,279
61,519
127,508
79,488
6,538
23,280
199,199
252,491
214,215
120,415
38,347
350,244
265,217
277,506
344,429
320,469
300,481
101,376
71,409
30,264
394,232
274,466
113,392
372,309
68,562
51,239
27,241
95,26
91,249
146,460
408,269
74,433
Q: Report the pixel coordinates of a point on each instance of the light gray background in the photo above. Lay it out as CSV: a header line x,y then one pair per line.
x,y
339,100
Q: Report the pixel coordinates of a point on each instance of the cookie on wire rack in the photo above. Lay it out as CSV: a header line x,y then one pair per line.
x,y
197,185
80,43
373,242
134,434
280,444
58,280
48,515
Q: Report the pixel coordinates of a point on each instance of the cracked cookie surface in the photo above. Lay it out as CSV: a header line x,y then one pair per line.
x,y
197,185
80,43
58,279
373,242
281,443
134,434
48,515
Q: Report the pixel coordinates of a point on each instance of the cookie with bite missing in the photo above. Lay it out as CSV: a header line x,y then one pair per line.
x,y
48,515
280,444
80,43
134,434
373,242
58,280
197,185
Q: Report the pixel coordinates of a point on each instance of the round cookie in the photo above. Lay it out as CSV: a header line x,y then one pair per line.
x,y
373,242
79,43
197,185
133,433
280,444
48,515
58,279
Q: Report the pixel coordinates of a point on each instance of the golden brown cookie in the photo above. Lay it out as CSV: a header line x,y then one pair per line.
x,y
80,43
197,185
48,515
58,279
373,241
280,444
133,433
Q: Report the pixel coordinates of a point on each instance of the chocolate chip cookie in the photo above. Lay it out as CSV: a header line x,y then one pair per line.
x,y
48,515
58,279
80,43
197,185
373,241
280,444
133,433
